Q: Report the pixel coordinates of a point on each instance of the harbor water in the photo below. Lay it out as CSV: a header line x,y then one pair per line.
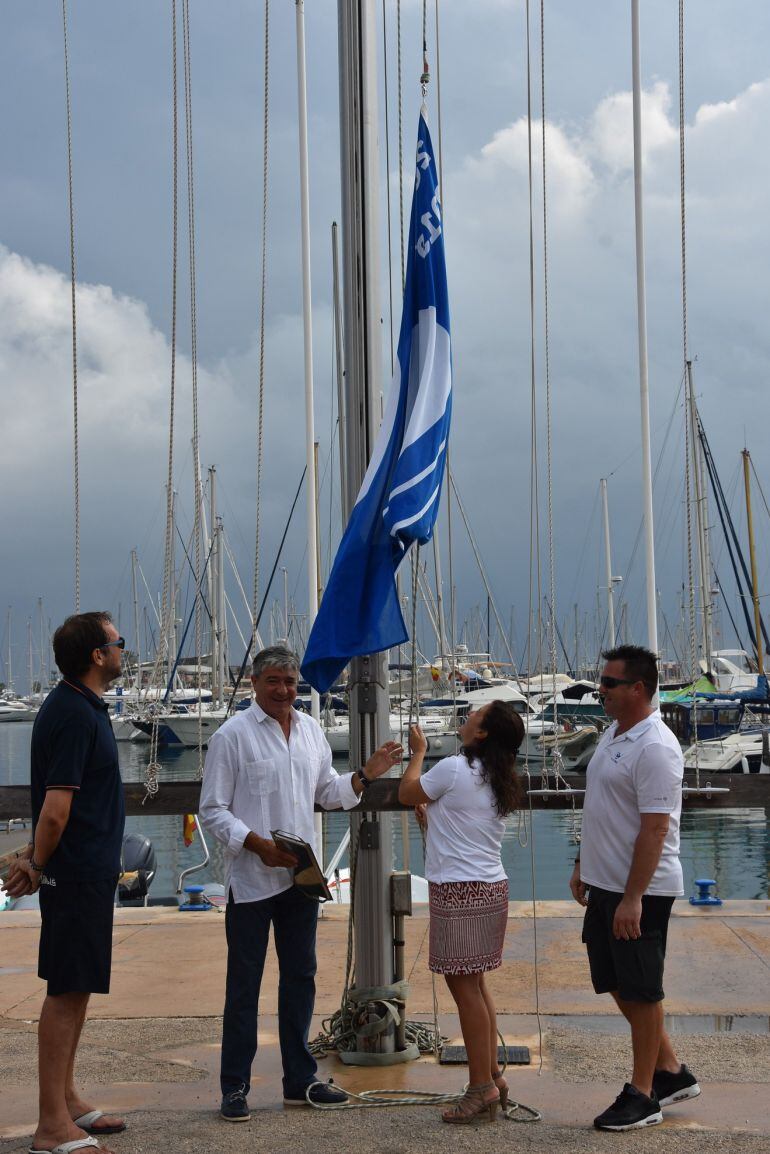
x,y
730,845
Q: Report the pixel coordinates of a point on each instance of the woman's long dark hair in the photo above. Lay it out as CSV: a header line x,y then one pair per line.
x,y
496,755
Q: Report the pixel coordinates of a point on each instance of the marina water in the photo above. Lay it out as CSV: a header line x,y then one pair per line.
x,y
730,845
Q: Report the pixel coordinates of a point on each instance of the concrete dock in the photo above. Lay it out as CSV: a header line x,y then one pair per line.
x,y
151,1048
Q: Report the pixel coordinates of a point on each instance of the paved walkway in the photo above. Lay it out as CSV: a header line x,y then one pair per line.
x,y
152,1046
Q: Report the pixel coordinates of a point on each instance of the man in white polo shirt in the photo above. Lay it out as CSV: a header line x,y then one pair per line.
x,y
627,875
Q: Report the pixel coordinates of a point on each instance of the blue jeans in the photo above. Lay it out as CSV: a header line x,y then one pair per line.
x,y
247,925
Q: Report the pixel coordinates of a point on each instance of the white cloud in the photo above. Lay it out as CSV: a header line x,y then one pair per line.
x,y
610,136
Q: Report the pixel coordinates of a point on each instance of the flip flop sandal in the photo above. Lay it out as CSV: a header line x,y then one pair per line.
x,y
86,1122
69,1147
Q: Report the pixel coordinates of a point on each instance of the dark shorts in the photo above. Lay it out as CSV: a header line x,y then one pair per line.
x,y
76,935
633,969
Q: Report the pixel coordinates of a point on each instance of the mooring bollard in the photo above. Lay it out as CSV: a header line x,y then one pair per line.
x,y
704,897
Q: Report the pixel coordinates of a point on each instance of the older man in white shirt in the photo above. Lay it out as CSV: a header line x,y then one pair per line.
x,y
266,768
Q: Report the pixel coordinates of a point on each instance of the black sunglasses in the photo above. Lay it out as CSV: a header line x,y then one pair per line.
x,y
120,642
613,682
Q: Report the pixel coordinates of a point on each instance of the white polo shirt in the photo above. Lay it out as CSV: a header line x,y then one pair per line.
x,y
256,780
638,772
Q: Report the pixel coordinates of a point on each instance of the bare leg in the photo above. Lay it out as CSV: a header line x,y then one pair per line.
x,y
646,1021
666,1059
493,1039
475,1025
77,1105
61,1020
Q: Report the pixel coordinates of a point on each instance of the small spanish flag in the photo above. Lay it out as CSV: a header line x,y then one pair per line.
x,y
188,828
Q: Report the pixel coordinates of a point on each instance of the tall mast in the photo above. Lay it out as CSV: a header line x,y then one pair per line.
x,y
369,705
608,566
29,654
755,597
641,305
171,634
137,636
8,670
704,564
216,688
307,329
42,644
752,555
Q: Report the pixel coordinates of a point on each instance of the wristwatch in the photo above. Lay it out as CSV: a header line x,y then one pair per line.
x,y
365,781
33,865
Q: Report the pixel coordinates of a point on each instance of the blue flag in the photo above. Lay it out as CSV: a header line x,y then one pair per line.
x,y
399,499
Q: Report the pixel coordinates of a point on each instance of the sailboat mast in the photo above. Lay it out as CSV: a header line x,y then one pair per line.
x,y
703,561
641,305
137,636
307,329
369,705
608,565
752,555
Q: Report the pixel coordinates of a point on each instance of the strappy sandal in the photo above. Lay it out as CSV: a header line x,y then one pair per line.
x,y
473,1105
502,1086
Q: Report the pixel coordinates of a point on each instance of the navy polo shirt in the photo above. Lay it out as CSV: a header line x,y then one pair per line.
x,y
73,747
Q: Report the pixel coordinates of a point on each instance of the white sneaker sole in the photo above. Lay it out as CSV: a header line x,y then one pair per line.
x,y
681,1095
652,1120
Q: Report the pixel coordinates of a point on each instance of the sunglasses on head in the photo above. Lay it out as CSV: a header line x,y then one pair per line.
x,y
613,682
119,641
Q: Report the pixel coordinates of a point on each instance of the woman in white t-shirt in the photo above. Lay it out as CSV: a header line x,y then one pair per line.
x,y
468,798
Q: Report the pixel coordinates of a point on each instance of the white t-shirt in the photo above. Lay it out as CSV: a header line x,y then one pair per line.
x,y
464,831
639,772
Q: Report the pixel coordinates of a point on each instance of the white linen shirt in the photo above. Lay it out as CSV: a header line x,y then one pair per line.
x,y
638,772
256,781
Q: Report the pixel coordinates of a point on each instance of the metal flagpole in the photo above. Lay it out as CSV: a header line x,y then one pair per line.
x,y
369,705
641,304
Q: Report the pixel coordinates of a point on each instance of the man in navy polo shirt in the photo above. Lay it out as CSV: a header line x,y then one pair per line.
x,y
78,815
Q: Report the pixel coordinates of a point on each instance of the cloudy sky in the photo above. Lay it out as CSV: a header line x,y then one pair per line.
x,y
120,69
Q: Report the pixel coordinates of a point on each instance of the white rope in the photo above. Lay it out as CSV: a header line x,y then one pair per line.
x,y
76,455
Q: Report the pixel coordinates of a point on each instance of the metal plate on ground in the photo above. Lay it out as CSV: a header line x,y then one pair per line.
x,y
512,1056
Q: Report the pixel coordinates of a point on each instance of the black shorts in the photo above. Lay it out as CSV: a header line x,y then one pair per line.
x,y
633,969
76,935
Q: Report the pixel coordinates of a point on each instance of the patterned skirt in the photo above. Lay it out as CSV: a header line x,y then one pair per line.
x,y
467,926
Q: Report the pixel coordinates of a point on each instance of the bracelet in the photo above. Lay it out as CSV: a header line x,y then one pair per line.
x,y
33,865
363,778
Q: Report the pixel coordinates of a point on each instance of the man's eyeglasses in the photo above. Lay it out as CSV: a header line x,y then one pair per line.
x,y
613,682
120,642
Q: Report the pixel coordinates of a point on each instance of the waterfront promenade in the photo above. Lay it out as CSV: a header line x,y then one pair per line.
x,y
151,1048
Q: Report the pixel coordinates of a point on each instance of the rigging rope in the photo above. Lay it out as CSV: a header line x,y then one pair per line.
x,y
76,447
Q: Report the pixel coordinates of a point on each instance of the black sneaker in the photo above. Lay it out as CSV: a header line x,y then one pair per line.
x,y
630,1111
320,1094
234,1106
670,1088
